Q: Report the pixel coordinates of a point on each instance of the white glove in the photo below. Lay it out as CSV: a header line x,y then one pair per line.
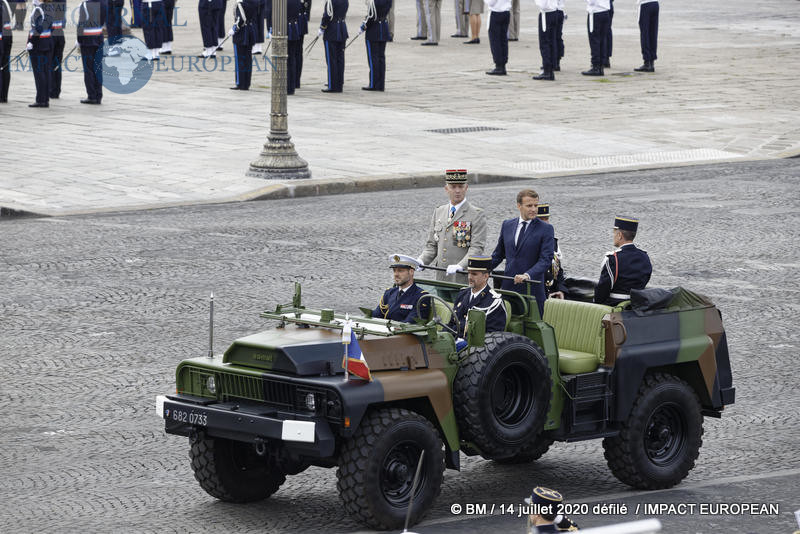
x,y
269,34
29,47
453,269
321,31
77,43
231,32
421,267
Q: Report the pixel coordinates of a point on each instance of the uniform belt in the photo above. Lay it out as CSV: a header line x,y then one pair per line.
x,y
7,26
44,35
57,25
93,31
620,296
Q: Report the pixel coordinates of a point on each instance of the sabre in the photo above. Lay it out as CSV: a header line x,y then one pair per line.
x,y
310,46
353,39
495,274
64,61
13,59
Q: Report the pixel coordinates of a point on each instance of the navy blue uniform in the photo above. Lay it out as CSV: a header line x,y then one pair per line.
x,y
335,36
532,254
169,10
57,12
598,38
554,277
402,307
623,270
153,21
610,35
293,40
548,40
41,54
245,21
376,35
6,41
305,16
498,37
221,20
487,301
114,18
91,17
648,30
559,37
264,14
208,11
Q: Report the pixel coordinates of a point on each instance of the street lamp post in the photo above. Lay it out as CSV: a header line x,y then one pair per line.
x,y
278,159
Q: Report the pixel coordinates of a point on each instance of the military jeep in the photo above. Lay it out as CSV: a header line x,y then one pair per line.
x,y
276,402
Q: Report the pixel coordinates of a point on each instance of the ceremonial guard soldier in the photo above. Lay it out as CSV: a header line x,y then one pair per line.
x,y
625,268
305,16
457,230
167,34
333,28
377,33
480,297
40,49
399,303
6,41
245,20
153,26
208,11
526,245
91,17
554,283
548,38
598,21
499,17
648,33
57,11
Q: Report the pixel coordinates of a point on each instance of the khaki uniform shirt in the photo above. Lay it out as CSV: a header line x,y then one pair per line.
x,y
453,241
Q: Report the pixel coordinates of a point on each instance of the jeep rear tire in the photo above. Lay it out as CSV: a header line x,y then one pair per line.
x,y
377,466
661,439
530,453
231,470
501,394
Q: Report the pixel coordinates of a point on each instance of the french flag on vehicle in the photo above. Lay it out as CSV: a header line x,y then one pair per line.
x,y
353,360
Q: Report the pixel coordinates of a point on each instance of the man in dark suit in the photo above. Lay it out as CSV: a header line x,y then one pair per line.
x,y
399,303
479,296
526,244
625,268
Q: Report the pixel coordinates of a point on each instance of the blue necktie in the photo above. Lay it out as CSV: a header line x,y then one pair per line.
x,y
521,233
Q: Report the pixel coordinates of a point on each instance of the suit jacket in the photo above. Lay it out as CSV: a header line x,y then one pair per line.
x,y
402,309
451,242
488,301
377,25
533,255
334,24
625,269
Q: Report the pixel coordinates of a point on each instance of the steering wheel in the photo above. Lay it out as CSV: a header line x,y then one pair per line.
x,y
435,319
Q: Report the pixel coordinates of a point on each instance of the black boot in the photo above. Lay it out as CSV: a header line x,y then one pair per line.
x,y
646,67
546,74
499,70
596,70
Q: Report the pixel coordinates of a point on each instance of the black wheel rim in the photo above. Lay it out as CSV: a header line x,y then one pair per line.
x,y
665,435
397,473
512,395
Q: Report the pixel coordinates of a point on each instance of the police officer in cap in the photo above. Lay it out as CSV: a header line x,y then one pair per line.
x,y
399,303
626,268
554,282
479,296
544,512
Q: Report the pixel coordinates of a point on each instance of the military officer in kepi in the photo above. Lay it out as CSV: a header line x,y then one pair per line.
x,y
399,303
544,517
244,37
457,231
554,282
480,297
377,33
626,268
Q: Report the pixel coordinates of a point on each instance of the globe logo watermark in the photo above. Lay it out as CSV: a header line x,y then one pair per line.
x,y
125,66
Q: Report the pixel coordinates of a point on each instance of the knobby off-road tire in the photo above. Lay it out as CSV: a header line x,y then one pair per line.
x,y
501,395
529,453
377,466
661,439
231,470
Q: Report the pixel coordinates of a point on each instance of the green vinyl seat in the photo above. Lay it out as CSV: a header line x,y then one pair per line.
x,y
579,333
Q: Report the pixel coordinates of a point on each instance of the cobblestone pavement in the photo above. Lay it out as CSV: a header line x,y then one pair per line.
x,y
97,310
725,89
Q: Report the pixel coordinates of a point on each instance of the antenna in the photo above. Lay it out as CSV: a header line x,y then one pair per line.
x,y
414,489
211,329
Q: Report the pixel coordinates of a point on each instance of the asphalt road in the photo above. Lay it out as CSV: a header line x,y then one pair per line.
x,y
96,311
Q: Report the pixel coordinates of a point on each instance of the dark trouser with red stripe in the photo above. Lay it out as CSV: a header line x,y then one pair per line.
x,y
42,64
498,37
648,29
55,73
598,37
92,71
5,57
334,56
376,55
548,40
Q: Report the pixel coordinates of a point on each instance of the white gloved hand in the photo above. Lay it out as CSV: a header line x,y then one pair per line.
x,y
421,265
77,43
231,32
321,31
453,269
29,47
269,34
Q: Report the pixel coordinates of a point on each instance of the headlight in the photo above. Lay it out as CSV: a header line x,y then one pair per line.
x,y
211,385
311,402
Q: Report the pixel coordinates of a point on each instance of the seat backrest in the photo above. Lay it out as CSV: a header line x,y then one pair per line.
x,y
508,313
442,311
578,325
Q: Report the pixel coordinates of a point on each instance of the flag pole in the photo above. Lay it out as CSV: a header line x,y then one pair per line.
x,y
346,342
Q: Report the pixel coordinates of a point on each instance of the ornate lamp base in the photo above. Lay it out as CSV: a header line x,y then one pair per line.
x,y
279,161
